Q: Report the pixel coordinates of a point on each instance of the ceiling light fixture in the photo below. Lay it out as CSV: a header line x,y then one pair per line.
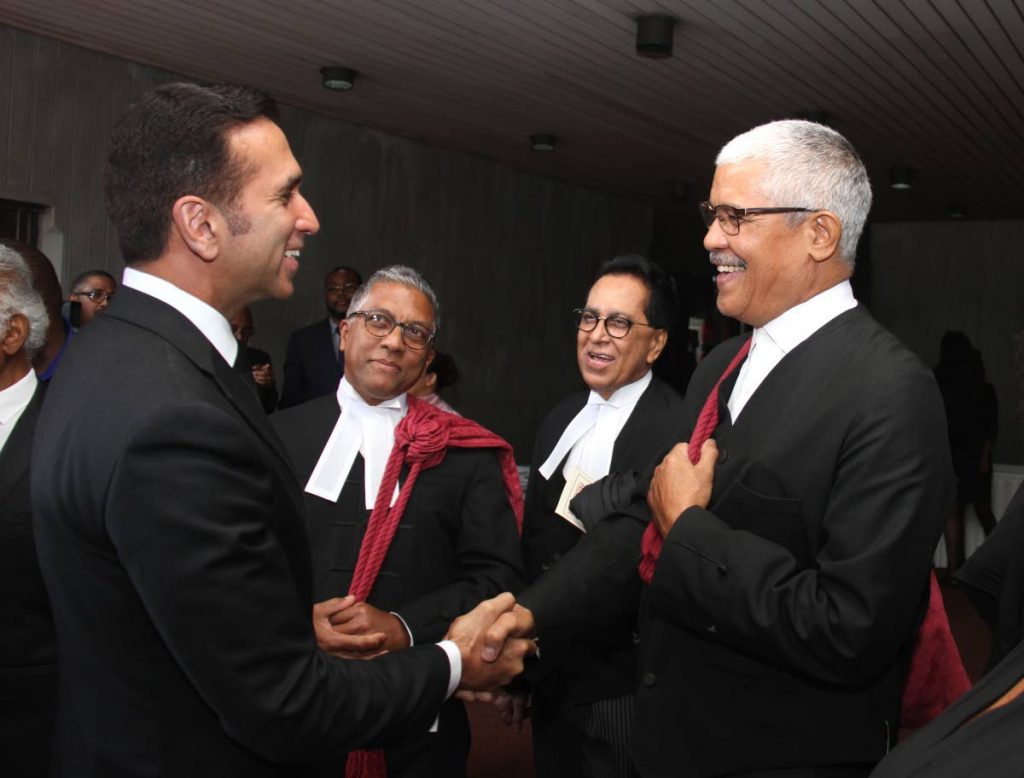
x,y
901,178
337,78
543,142
654,35
957,210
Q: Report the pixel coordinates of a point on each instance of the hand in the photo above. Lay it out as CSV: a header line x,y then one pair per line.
x,y
491,661
339,644
678,485
361,618
263,374
513,708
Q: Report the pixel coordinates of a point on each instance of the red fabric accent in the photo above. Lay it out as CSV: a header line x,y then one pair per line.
x,y
707,420
422,440
936,676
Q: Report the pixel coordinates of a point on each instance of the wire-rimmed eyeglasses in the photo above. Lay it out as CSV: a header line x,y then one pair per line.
x,y
730,217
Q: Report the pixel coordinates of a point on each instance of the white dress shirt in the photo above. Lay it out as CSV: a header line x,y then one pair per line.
x,y
208,320
13,401
781,335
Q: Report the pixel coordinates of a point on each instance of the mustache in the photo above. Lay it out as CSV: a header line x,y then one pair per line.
x,y
722,257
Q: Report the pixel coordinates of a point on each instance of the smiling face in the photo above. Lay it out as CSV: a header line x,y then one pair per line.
x,y
606,363
339,287
269,220
767,268
382,368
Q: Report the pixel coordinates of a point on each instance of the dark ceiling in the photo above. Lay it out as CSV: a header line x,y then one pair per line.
x,y
937,85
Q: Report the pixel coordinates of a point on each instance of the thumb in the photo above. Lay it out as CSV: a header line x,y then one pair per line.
x,y
708,457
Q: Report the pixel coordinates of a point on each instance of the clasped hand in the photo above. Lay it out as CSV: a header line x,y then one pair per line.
x,y
356,630
494,638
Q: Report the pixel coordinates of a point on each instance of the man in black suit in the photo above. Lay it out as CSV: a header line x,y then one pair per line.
x,y
28,655
777,626
256,362
581,709
314,361
175,551
457,542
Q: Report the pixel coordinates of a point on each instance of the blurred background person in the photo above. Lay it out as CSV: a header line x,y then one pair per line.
x,y
441,373
314,362
254,362
971,414
92,291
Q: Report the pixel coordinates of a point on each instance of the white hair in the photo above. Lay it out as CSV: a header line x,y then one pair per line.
x,y
397,274
808,165
18,296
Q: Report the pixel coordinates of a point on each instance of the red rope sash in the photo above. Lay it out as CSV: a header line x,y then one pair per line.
x,y
422,440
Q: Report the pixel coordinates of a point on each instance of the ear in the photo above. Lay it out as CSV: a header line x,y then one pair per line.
x,y
198,224
16,335
658,343
343,331
826,230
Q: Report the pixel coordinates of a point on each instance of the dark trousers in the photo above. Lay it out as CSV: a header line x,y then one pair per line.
x,y
589,740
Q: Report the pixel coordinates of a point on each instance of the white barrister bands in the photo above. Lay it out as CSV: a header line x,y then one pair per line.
x,y
361,429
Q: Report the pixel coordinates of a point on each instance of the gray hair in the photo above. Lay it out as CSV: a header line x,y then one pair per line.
x,y
808,165
397,274
18,296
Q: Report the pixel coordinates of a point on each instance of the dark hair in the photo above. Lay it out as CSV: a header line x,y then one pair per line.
x,y
345,269
44,277
174,142
662,302
81,278
443,366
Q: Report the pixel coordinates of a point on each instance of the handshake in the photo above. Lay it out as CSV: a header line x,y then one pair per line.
x,y
493,639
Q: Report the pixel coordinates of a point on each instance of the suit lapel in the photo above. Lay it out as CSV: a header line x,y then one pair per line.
x,y
14,458
638,430
166,322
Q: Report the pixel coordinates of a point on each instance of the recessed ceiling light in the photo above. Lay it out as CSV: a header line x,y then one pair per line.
x,y
338,78
543,142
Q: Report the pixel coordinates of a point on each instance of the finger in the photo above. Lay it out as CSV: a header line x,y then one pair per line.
x,y
327,607
497,635
338,641
351,611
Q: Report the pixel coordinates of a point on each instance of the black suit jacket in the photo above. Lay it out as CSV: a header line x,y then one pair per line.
x,y
603,665
457,544
28,654
172,541
777,629
248,358
311,364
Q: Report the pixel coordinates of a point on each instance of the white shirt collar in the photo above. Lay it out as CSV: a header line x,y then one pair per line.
x,y
13,402
625,395
15,397
793,327
208,320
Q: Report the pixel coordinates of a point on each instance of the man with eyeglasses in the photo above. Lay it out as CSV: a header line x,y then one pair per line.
x,y
313,361
786,558
625,422
93,291
453,538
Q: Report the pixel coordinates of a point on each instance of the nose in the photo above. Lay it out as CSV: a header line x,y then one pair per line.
x,y
393,340
306,221
715,238
600,333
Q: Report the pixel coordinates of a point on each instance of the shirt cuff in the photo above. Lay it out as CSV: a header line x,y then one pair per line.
x,y
455,663
407,630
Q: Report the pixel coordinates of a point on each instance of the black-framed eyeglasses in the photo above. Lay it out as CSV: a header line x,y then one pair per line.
x,y
730,218
96,295
334,288
380,324
616,325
